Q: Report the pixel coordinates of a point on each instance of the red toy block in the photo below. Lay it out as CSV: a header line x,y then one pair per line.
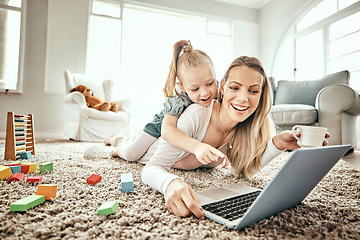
x,y
13,164
34,179
16,177
25,168
93,179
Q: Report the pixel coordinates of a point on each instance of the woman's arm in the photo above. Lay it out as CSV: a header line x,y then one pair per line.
x,y
280,142
171,134
181,200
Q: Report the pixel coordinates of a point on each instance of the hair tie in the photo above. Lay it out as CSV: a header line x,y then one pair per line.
x,y
188,47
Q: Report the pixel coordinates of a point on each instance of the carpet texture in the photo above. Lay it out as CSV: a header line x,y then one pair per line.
x,y
330,211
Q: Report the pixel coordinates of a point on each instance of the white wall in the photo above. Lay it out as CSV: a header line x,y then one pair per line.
x,y
53,45
275,19
47,108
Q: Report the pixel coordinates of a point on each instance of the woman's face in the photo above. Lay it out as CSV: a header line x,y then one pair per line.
x,y
242,92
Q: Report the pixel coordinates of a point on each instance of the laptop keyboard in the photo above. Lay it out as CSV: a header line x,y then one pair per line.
x,y
234,207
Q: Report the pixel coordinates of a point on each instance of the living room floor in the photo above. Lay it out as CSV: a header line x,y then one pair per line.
x,y
353,159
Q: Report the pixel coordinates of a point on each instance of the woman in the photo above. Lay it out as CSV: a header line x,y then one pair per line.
x,y
238,124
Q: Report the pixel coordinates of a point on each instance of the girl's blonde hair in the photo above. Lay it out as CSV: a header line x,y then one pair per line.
x,y
251,136
189,58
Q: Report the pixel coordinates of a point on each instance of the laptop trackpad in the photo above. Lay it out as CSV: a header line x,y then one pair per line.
x,y
218,193
221,193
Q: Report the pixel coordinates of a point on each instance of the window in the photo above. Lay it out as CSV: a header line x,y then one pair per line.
x,y
104,41
135,49
309,56
344,49
325,40
11,33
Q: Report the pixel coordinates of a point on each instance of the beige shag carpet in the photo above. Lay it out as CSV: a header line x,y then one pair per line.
x,y
330,211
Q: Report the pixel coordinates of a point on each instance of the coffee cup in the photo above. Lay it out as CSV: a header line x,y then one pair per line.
x,y
310,136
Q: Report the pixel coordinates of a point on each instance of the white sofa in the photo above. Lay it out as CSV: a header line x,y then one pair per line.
x,y
328,102
87,124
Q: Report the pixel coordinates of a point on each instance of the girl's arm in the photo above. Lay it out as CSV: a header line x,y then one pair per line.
x,y
170,133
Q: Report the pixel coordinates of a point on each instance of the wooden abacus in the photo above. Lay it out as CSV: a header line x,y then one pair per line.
x,y
19,135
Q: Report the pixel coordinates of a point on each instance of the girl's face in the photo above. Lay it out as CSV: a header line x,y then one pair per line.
x,y
199,83
242,92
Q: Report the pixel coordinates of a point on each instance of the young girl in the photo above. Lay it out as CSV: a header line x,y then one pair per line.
x,y
194,71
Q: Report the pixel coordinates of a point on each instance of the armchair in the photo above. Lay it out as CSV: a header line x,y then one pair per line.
x,y
328,102
88,124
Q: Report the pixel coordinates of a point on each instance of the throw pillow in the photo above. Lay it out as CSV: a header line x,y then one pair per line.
x,y
305,92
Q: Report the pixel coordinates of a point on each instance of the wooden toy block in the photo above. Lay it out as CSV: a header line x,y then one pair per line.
x,y
32,166
16,177
48,166
34,179
14,164
15,169
5,172
127,184
49,190
25,168
25,155
108,208
26,203
93,179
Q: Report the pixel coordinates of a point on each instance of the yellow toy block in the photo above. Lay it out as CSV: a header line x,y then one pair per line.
x,y
49,190
5,172
32,166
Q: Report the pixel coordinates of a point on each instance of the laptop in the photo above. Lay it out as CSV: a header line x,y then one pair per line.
x,y
238,205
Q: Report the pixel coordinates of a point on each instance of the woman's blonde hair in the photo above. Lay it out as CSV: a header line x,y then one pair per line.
x,y
189,58
251,136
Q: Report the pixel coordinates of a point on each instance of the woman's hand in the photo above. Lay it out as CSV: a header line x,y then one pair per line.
x,y
286,140
206,154
181,200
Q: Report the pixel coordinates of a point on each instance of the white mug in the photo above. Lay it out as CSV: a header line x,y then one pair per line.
x,y
309,136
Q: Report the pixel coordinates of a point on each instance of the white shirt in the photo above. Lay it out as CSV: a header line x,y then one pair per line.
x,y
161,156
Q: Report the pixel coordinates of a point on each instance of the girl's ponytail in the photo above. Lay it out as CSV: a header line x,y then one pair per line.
x,y
170,84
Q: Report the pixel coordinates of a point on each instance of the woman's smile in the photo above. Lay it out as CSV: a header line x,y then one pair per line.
x,y
239,108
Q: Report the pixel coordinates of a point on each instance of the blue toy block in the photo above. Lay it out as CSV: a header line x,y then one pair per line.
x,y
15,169
127,183
25,155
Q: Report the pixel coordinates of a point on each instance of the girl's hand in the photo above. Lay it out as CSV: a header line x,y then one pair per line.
x,y
181,200
206,154
286,140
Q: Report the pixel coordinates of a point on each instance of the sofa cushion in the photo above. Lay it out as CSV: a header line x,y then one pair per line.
x,y
292,114
305,92
109,116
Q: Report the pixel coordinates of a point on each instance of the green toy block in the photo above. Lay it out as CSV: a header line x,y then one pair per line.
x,y
16,163
108,208
26,203
5,172
48,166
127,184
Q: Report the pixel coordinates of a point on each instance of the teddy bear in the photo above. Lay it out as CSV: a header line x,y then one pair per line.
x,y
95,102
